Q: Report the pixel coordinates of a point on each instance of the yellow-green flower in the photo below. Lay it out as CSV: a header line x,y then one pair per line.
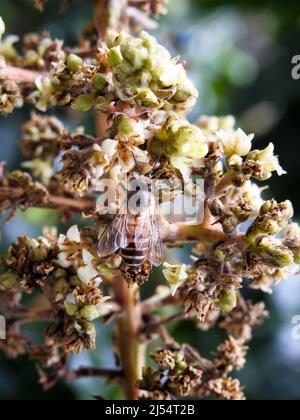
x,y
176,275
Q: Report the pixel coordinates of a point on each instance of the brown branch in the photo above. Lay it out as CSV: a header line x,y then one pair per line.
x,y
31,315
222,186
169,320
156,302
80,204
55,202
20,75
87,372
130,348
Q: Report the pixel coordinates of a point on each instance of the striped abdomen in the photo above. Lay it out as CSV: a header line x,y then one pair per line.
x,y
135,255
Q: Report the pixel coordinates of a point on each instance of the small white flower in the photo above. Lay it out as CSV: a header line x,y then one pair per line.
x,y
238,143
103,307
175,275
270,161
73,234
87,273
87,257
109,147
63,260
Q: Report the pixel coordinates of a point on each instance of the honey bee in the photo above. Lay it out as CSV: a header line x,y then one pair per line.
x,y
134,230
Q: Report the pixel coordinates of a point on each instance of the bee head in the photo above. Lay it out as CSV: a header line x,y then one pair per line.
x,y
139,193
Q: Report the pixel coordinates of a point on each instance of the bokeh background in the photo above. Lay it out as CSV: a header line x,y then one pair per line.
x,y
239,54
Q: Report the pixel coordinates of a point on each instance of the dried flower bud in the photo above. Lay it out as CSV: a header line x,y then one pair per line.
x,y
10,97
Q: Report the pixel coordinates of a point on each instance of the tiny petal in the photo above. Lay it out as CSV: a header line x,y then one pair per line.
x,y
87,257
87,273
73,234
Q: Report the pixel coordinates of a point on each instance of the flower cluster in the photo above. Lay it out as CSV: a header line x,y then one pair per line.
x,y
183,143
145,74
65,271
29,263
72,82
82,169
208,289
39,142
10,97
142,96
18,190
261,235
181,372
175,375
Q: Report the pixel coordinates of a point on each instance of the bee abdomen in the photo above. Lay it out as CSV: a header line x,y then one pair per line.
x,y
134,257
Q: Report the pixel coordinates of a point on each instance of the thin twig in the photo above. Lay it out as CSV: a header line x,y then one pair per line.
x,y
87,372
20,75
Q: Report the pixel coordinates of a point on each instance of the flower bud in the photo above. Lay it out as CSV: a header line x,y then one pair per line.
x,y
89,312
9,279
147,98
274,252
126,126
83,103
99,82
114,39
74,62
71,308
184,92
235,162
115,57
228,300
134,51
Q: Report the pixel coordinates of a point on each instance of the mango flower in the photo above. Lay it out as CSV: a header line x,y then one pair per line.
x,y
268,161
185,165
72,253
237,143
176,275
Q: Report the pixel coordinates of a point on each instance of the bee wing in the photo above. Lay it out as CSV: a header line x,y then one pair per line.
x,y
155,255
115,235
147,232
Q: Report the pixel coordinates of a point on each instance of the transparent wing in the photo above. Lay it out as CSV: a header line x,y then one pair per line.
x,y
115,236
155,255
147,235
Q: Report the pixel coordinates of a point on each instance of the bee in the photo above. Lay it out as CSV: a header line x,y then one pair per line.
x,y
134,230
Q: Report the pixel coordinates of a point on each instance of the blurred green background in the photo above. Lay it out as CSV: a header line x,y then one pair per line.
x,y
239,55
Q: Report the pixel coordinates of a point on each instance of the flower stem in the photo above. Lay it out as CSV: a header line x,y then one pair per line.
x,y
129,324
20,75
130,348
